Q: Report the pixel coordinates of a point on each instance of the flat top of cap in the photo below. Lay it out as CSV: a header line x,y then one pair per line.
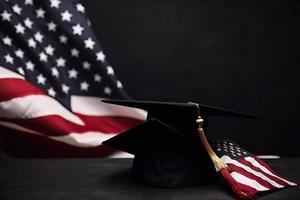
x,y
201,108
168,126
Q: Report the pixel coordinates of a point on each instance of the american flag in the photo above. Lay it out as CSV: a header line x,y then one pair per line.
x,y
247,175
53,73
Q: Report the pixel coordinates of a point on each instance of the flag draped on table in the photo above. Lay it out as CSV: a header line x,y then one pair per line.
x,y
53,73
246,174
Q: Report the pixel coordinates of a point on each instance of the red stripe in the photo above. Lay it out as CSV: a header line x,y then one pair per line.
x,y
56,126
109,124
264,164
245,162
271,170
12,88
247,189
240,170
21,144
239,189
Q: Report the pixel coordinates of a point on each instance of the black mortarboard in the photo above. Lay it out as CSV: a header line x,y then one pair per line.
x,y
167,148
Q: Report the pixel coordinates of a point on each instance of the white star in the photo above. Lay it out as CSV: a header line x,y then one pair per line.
x,y
16,8
28,23
60,62
119,84
80,7
28,2
107,90
19,28
43,57
54,3
7,40
39,37
41,79
110,70
21,70
51,92
31,43
65,88
84,86
54,72
66,16
74,52
51,26
97,78
86,65
88,21
77,29
40,13
89,43
29,65
19,53
49,50
63,39
5,15
73,73
9,59
100,56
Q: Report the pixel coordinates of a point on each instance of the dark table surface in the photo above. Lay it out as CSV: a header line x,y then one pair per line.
x,y
109,179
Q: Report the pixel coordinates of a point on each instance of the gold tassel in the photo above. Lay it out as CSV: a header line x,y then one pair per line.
x,y
218,163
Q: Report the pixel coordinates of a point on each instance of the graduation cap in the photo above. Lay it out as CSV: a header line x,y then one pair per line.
x,y
167,148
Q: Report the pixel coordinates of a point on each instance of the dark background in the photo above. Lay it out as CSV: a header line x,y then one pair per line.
x,y
241,55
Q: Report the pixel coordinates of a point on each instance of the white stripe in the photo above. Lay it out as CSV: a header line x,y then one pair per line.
x,y
33,106
5,73
85,139
228,160
247,181
268,157
264,169
94,107
121,154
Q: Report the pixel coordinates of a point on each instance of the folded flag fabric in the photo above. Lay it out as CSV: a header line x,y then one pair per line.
x,y
53,73
247,175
